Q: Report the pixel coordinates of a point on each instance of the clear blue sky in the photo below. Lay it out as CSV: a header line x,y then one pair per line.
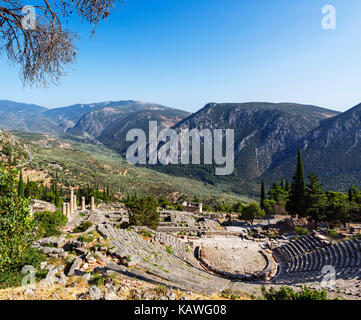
x,y
185,53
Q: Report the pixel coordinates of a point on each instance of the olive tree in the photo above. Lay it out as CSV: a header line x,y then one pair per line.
x,y
37,38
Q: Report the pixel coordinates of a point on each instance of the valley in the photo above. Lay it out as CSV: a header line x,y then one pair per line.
x,y
266,137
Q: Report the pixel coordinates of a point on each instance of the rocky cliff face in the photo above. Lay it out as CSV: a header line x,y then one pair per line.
x,y
110,124
264,132
114,136
332,150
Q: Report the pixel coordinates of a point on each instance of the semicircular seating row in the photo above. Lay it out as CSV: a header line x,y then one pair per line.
x,y
302,260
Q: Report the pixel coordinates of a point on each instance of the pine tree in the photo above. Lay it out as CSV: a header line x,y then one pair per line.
x,y
350,195
263,195
315,200
287,186
282,184
21,187
297,193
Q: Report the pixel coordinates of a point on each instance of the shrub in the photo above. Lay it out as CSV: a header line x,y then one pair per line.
x,y
146,233
287,293
17,231
99,279
123,225
301,231
230,294
86,238
332,233
161,290
49,223
169,249
143,212
83,227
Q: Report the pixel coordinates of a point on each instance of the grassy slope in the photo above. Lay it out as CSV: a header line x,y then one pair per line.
x,y
82,164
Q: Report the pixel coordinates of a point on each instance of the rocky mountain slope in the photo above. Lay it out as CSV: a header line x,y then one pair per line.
x,y
26,117
332,150
265,133
83,120
266,136
109,125
114,136
262,131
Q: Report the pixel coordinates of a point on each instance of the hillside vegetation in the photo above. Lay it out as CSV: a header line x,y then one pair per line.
x,y
79,164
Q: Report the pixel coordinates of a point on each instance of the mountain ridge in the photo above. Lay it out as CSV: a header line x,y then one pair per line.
x,y
266,136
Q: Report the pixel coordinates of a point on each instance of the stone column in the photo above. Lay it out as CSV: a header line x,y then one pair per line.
x,y
71,200
64,209
75,205
68,209
92,205
82,203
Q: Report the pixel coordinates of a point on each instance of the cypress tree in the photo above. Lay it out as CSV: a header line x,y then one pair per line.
x,y
263,195
287,186
21,188
350,195
297,193
9,160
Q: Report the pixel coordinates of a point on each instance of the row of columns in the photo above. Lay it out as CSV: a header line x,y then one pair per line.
x,y
72,206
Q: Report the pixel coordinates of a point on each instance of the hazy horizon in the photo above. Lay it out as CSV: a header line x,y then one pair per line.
x,y
182,109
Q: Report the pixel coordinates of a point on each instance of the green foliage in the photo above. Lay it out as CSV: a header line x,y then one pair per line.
x,y
83,227
297,193
355,195
16,231
263,195
86,238
94,191
339,209
6,150
99,279
21,187
196,199
287,293
143,211
278,193
145,233
166,204
315,200
169,249
230,294
238,207
301,231
161,290
252,211
332,233
123,225
276,199
49,223
34,190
